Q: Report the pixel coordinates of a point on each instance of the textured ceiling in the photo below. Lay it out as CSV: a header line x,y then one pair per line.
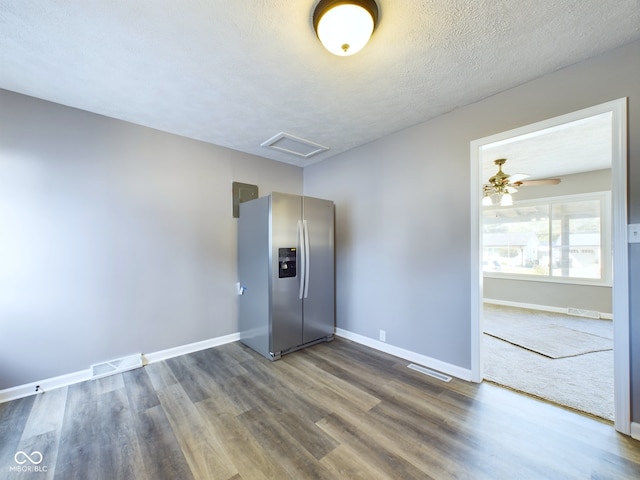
x,y
578,146
236,73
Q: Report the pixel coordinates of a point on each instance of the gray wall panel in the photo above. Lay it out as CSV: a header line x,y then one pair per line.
x,y
115,238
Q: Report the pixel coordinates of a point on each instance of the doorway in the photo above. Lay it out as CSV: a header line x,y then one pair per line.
x,y
616,111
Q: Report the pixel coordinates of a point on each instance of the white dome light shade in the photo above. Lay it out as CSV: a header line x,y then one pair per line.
x,y
507,200
343,27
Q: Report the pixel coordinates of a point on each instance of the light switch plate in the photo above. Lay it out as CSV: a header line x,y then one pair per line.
x,y
634,233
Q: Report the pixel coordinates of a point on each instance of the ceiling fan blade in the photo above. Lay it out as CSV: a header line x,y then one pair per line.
x,y
518,177
537,183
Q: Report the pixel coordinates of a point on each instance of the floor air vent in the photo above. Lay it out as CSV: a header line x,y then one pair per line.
x,y
431,373
116,366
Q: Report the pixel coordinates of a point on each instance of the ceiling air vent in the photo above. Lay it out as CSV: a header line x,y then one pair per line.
x,y
294,145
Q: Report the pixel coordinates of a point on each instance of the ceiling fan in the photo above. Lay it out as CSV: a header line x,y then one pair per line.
x,y
500,186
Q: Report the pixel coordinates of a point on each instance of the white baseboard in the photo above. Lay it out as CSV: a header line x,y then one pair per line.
x,y
20,391
190,348
438,365
542,308
45,385
635,430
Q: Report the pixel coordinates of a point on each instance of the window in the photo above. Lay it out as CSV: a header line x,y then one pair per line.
x,y
563,239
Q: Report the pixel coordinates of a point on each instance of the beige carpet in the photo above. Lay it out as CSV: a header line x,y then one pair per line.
x,y
582,382
553,341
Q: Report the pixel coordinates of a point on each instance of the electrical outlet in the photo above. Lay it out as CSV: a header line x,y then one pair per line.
x,y
383,336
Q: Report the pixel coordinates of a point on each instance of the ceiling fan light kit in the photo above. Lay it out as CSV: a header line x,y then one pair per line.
x,y
498,191
345,26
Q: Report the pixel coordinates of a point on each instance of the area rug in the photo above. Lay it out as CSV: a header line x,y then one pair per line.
x,y
583,382
553,341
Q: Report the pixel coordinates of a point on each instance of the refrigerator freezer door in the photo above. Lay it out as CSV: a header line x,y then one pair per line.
x,y
286,306
319,303
254,273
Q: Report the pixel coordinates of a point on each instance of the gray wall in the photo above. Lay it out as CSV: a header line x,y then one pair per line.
x,y
561,295
114,238
557,295
403,229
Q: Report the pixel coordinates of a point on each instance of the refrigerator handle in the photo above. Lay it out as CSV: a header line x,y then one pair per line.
x,y
306,258
301,259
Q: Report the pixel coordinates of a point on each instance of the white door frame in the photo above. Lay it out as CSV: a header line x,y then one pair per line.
x,y
621,354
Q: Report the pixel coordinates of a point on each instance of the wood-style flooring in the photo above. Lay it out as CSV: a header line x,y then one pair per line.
x,y
333,411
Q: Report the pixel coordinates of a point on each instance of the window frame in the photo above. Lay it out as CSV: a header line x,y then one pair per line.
x,y
605,240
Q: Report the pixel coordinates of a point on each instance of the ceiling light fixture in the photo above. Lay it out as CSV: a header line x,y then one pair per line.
x,y
345,26
498,191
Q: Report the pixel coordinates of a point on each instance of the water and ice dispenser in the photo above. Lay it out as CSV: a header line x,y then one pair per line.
x,y
287,262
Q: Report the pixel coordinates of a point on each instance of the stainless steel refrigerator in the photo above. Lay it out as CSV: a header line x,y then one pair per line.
x,y
286,273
